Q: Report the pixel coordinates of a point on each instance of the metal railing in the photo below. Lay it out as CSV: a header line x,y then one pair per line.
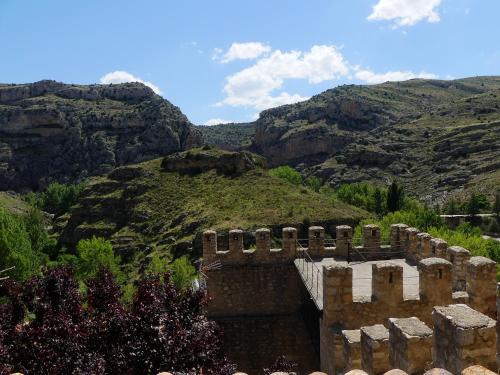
x,y
309,271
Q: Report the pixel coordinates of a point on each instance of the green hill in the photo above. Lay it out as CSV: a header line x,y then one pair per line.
x,y
162,205
13,203
436,137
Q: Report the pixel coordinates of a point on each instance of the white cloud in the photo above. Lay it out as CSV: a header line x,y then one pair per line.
x,y
216,121
120,76
371,77
241,51
254,86
405,12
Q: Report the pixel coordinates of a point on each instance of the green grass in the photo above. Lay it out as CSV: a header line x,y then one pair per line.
x,y
251,200
13,203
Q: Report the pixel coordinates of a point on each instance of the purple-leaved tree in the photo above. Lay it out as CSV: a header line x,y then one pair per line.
x,y
48,327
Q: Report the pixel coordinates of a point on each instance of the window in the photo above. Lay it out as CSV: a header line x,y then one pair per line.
x,y
346,234
316,234
374,232
290,235
390,277
235,237
440,275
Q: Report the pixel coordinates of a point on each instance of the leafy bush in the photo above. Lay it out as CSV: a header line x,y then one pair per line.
x,y
287,173
94,254
314,183
477,203
365,196
181,270
470,238
57,198
164,329
23,239
421,218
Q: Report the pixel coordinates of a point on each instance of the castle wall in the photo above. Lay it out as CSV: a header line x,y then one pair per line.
x,y
258,295
255,342
259,300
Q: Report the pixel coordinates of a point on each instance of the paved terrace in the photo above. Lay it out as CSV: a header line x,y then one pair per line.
x,y
311,273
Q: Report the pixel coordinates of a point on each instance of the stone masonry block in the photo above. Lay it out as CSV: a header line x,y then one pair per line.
x,y
410,342
352,349
343,240
316,240
481,285
435,281
458,256
463,337
375,349
387,283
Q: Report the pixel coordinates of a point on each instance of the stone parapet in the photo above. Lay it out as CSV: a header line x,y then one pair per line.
x,y
351,349
458,256
463,337
482,285
375,349
410,342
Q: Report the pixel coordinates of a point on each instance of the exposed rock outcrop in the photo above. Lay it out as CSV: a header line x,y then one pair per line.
x,y
50,131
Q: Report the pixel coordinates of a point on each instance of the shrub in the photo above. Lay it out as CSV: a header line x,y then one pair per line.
x,y
287,173
57,198
164,329
181,270
16,249
94,254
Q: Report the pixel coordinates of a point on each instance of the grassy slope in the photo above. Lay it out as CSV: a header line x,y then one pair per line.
x,y
415,119
162,212
156,212
13,203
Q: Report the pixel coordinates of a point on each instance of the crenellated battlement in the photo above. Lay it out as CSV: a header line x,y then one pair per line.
x,y
353,282
262,253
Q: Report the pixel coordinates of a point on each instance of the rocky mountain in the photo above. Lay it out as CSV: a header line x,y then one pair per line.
x,y
435,136
235,136
162,206
53,131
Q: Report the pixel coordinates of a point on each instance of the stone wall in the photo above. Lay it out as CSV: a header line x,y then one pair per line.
x,y
435,288
258,296
255,342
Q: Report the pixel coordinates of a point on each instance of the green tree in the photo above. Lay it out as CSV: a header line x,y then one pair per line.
x,y
395,197
476,203
314,183
496,205
287,173
378,199
57,198
15,247
183,272
451,207
94,254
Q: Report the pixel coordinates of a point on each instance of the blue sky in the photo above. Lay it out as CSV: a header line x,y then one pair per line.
x,y
228,60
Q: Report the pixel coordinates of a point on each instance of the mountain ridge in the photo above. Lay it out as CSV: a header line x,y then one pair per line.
x,y
52,131
434,136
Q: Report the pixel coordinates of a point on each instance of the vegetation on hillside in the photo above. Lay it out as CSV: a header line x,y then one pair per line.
x,y
436,137
228,136
56,199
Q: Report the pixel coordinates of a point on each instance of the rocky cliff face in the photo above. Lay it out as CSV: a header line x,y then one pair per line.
x,y
434,136
53,131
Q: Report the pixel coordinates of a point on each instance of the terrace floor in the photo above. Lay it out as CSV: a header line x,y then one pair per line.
x,y
311,273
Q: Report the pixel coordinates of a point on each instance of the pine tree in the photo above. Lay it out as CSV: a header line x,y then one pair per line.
x,y
395,197
496,205
379,202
